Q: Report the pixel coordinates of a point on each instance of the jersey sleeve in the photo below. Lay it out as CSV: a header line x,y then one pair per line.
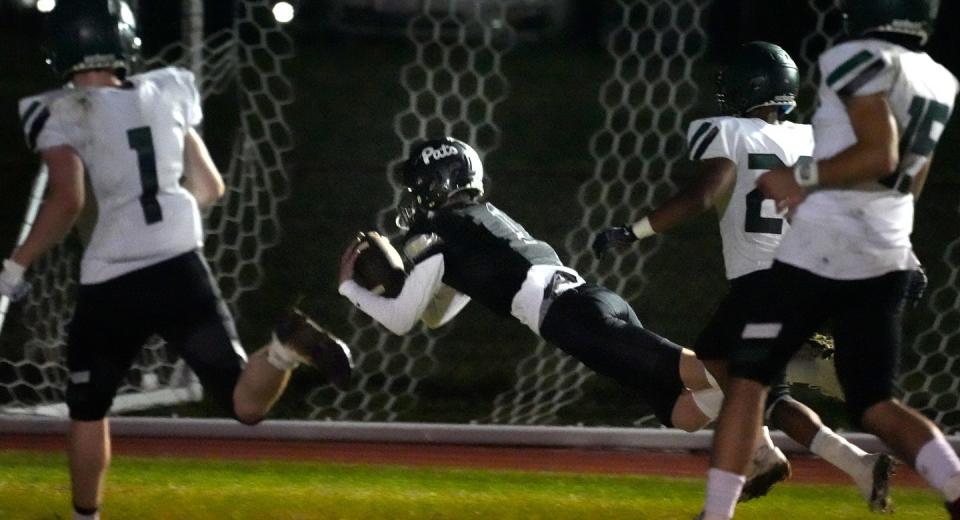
x,y
712,138
191,96
179,86
853,70
41,125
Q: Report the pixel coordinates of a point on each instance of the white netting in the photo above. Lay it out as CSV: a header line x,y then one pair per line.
x,y
656,47
244,60
454,85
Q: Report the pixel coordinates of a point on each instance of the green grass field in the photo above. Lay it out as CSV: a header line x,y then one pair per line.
x,y
35,486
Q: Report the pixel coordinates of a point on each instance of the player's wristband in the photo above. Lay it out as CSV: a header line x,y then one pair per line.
x,y
642,228
806,174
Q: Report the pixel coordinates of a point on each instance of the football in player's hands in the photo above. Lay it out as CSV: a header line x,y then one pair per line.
x,y
378,267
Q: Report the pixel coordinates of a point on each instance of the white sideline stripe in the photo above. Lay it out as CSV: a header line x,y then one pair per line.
x,y
121,403
422,433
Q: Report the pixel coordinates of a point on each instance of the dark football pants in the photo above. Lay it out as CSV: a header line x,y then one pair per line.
x,y
866,317
722,333
596,326
176,299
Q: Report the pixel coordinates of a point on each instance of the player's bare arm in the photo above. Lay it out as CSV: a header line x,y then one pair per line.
x,y
874,156
713,178
200,175
61,208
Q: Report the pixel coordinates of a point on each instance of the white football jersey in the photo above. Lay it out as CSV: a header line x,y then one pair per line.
x,y
750,227
131,141
864,231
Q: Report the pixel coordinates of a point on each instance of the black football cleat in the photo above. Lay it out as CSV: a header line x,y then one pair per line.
x,y
954,509
316,347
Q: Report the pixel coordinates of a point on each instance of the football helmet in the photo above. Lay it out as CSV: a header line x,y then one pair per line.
x,y
909,17
440,168
761,74
92,34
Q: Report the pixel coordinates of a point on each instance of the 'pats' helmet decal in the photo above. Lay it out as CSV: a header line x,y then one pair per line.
x,y
910,17
92,34
440,168
760,74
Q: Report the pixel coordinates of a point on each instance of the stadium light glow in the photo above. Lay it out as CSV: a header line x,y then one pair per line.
x,y
45,6
283,12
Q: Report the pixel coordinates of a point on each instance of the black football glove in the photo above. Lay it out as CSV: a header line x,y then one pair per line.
x,y
916,285
619,236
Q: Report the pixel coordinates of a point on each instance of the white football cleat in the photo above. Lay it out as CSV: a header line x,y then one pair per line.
x,y
874,484
769,466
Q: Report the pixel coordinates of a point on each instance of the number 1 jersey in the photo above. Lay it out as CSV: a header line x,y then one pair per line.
x,y
749,224
131,141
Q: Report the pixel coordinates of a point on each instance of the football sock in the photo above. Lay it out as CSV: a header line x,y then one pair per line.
x,y
723,490
281,357
85,513
939,465
838,451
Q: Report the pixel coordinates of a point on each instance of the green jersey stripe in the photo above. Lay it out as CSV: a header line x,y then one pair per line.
x,y
868,73
696,135
847,67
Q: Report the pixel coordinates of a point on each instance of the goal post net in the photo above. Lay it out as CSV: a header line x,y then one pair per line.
x,y
244,62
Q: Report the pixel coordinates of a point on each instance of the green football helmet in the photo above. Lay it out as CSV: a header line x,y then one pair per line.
x,y
909,17
760,74
92,34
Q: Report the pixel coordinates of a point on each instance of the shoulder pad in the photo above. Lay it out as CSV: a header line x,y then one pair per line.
x,y
421,246
35,112
708,138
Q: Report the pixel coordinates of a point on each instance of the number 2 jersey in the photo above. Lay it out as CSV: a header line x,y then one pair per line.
x,y
131,142
864,231
750,227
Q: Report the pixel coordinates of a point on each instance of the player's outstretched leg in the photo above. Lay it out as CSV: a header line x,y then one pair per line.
x,y
917,440
870,471
297,339
314,346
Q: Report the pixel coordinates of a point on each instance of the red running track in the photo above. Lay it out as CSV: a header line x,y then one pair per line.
x,y
682,464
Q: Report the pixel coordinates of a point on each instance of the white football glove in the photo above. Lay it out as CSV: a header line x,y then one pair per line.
x,y
12,284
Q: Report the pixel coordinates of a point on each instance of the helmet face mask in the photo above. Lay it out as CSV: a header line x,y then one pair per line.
x,y
761,74
91,35
903,17
438,169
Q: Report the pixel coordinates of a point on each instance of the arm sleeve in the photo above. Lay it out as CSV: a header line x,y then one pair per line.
x,y
400,314
851,70
41,126
447,303
711,138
